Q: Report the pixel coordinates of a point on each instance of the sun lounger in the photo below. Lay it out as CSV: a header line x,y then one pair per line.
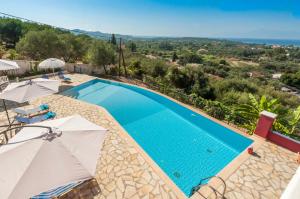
x,y
62,77
45,76
31,120
26,112
56,192
4,81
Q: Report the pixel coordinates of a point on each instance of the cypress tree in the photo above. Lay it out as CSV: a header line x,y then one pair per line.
x,y
113,39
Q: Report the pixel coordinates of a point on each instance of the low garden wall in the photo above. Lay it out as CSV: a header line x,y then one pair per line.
x,y
84,69
30,68
264,129
284,141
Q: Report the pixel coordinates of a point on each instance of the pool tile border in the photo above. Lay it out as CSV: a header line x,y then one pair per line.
x,y
224,173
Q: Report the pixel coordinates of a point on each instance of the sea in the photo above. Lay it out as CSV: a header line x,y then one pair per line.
x,y
281,42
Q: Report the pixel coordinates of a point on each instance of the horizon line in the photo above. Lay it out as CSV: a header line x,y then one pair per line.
x,y
144,36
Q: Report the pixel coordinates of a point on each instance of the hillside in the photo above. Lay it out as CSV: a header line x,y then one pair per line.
x,y
217,76
101,35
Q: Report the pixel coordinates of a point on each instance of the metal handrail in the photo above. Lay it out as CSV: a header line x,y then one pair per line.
x,y
197,187
31,126
213,190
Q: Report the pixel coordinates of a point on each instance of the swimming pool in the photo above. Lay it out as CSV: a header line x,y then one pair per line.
x,y
186,145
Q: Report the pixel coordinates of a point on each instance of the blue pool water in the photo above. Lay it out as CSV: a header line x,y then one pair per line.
x,y
186,145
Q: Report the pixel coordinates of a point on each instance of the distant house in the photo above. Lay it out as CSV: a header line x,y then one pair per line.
x,y
255,74
151,57
285,89
276,46
276,76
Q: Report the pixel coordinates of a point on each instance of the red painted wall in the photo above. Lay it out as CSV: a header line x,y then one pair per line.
x,y
263,126
263,129
283,141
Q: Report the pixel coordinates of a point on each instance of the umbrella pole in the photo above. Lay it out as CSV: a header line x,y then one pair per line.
x,y
6,112
9,123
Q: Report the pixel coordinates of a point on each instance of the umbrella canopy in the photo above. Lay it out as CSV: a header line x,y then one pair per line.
x,y
52,63
29,90
36,160
292,190
8,65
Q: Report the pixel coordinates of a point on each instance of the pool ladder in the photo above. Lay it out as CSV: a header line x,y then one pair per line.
x,y
214,190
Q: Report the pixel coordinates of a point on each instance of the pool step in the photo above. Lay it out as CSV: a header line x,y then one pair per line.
x,y
214,188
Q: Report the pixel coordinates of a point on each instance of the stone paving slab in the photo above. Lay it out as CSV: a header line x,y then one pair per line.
x,y
265,175
123,172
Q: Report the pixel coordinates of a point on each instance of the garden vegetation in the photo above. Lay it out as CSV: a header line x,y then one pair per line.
x,y
230,81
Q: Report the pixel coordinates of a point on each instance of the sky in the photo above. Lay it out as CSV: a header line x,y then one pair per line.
x,y
270,19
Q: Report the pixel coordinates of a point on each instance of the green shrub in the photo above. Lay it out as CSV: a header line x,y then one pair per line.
x,y
159,69
136,69
216,110
291,79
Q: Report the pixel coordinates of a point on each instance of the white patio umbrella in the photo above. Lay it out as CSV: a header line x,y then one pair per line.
x,y
36,160
52,63
8,65
293,188
28,90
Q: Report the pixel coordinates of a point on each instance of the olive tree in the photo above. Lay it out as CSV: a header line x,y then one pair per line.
x,y
10,31
101,54
40,45
73,47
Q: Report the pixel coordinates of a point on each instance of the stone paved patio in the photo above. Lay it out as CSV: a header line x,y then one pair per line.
x,y
263,176
123,171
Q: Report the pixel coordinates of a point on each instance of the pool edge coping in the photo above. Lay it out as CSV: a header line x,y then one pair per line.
x,y
232,166
224,173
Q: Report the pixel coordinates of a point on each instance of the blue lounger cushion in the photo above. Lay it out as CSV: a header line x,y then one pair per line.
x,y
50,115
39,118
56,192
44,107
63,77
45,76
35,110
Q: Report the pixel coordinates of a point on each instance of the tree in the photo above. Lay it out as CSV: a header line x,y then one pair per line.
x,y
236,85
2,51
72,47
113,39
85,42
201,85
179,78
12,54
223,61
101,54
158,69
190,58
291,79
136,69
10,31
40,45
174,57
192,80
132,47
165,45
